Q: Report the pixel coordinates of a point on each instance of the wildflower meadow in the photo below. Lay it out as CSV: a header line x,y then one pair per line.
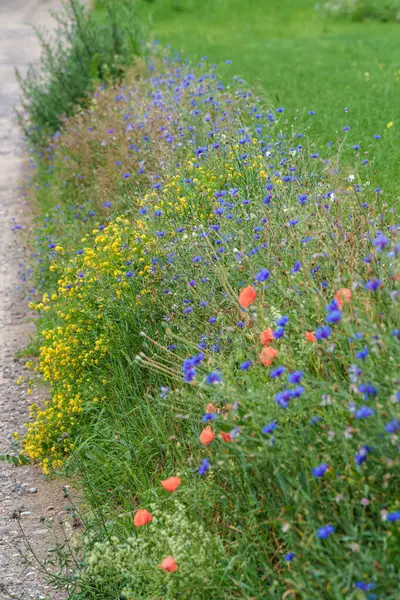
x,y
217,307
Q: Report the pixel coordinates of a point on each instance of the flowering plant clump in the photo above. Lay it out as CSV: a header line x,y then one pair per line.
x,y
136,567
229,334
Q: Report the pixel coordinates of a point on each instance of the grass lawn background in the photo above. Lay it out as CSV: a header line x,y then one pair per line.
x,y
302,60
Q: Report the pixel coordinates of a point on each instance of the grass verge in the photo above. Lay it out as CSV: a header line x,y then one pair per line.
x,y
221,308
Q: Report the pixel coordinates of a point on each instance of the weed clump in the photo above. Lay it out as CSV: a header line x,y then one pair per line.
x,y
83,50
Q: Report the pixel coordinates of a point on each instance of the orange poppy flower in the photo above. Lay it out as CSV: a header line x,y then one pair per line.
x,y
310,336
142,517
207,436
169,565
226,436
266,336
247,296
267,355
171,484
343,296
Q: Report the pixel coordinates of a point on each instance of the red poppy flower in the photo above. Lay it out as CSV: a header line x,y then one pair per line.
x,y
266,336
226,436
169,565
247,296
207,436
171,484
142,517
343,296
267,355
310,336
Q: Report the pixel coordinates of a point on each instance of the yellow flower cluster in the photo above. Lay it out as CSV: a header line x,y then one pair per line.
x,y
114,259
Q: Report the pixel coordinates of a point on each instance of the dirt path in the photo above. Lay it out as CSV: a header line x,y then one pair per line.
x,y
22,490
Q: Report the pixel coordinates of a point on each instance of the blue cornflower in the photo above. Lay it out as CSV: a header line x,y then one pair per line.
x,y
362,354
320,470
209,417
213,378
196,259
278,333
283,398
262,275
245,365
188,310
325,531
302,199
282,321
334,316
289,556
295,377
323,332
361,455
280,110
364,412
277,372
367,390
365,587
381,241
269,428
298,391
392,426
373,284
129,274
394,516
296,267
205,465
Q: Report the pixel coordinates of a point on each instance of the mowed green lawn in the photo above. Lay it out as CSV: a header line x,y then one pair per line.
x,y
301,60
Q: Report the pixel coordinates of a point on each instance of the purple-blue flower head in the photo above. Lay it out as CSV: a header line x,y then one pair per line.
x,y
213,378
295,377
289,556
269,428
262,275
277,372
282,321
319,470
334,316
205,465
325,531
364,412
245,365
323,332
